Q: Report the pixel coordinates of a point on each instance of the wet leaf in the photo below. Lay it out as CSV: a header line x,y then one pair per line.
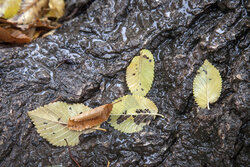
x,y
207,85
132,113
9,8
91,118
51,122
140,73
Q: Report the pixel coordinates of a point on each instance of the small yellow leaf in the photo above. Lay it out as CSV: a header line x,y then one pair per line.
x,y
51,122
132,113
9,8
140,73
207,85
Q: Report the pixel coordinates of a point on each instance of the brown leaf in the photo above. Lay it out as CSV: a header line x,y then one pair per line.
x,y
45,24
10,35
90,118
30,19
14,33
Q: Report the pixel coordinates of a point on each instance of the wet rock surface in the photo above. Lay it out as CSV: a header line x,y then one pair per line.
x,y
96,47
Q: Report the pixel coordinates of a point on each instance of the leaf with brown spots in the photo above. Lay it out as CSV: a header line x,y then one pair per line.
x,y
140,73
207,85
51,122
132,113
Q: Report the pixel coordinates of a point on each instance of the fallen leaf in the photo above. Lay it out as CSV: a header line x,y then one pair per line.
x,y
23,17
10,35
51,122
140,73
30,10
45,23
56,8
132,113
9,8
91,118
207,85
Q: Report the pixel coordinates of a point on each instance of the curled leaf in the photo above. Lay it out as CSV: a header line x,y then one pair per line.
x,y
51,122
132,113
207,85
140,73
90,119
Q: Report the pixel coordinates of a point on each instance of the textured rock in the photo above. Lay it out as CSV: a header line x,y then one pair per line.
x,y
96,47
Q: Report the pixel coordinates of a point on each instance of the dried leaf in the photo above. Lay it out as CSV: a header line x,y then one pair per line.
x,y
10,35
51,122
132,113
140,73
56,8
30,10
45,24
90,118
9,8
49,33
31,19
207,85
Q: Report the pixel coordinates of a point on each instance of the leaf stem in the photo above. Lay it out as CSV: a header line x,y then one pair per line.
x,y
71,154
101,129
141,114
117,101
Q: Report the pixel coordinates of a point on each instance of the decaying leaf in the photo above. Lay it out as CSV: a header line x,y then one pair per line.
x,y
140,73
25,15
132,113
51,122
91,118
207,85
13,36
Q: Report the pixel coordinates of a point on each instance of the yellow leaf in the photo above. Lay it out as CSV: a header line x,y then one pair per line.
x,y
9,8
207,85
140,73
51,122
132,113
56,8
30,10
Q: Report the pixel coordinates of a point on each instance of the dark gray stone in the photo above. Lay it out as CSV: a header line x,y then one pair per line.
x,y
96,47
